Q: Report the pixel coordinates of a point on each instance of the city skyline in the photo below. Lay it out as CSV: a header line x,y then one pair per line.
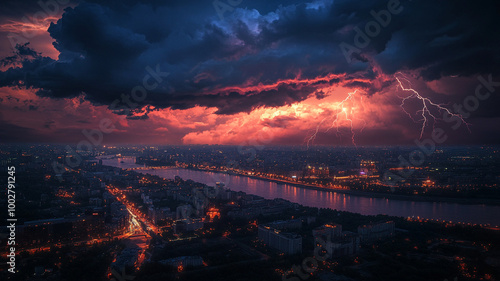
x,y
213,212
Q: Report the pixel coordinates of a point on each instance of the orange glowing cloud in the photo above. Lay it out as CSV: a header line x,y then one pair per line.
x,y
32,29
267,125
29,27
339,116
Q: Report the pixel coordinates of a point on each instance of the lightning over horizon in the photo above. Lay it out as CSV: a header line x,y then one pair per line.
x,y
343,113
426,104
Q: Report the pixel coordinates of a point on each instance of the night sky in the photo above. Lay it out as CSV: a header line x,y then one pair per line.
x,y
246,72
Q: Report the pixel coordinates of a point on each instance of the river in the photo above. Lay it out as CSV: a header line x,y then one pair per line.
x,y
476,214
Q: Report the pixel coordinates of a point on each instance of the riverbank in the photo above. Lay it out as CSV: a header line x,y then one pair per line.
x,y
368,194
343,200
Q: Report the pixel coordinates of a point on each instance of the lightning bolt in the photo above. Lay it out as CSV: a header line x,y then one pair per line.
x,y
427,104
343,113
313,136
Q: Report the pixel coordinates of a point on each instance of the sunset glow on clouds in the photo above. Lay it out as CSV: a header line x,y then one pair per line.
x,y
266,74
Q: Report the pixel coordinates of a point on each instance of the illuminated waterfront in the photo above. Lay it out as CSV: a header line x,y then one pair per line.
x,y
476,214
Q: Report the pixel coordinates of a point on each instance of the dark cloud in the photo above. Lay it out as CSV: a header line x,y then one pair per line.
x,y
22,52
106,46
278,121
444,38
9,97
138,117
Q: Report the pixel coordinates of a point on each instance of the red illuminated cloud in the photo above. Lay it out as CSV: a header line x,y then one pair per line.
x,y
377,119
29,29
273,77
298,121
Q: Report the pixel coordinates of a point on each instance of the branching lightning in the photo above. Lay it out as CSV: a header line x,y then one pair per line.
x,y
427,104
313,136
343,113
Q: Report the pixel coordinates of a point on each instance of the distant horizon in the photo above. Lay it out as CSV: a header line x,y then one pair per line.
x,y
249,145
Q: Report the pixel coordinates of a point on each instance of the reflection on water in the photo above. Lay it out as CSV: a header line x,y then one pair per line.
x,y
479,214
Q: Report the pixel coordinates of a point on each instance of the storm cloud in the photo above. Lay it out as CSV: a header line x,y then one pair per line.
x,y
259,54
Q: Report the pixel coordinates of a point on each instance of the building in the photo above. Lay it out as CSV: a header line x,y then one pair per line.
x,y
187,225
327,231
95,223
254,206
183,212
118,225
41,232
346,245
96,201
317,172
376,231
335,242
225,194
368,167
288,224
159,214
288,243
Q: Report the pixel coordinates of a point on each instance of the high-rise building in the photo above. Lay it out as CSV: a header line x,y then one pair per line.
x,y
376,231
335,242
288,243
328,231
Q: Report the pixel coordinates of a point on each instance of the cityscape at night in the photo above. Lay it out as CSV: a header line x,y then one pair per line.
x,y
235,140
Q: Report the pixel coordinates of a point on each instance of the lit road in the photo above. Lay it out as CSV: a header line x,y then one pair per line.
x,y
140,230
